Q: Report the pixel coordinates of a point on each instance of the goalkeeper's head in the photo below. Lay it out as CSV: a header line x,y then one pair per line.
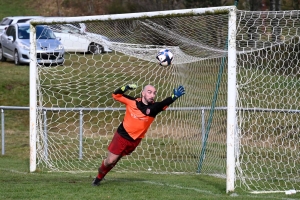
x,y
148,94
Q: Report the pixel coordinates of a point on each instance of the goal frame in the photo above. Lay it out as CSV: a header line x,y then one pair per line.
x,y
232,63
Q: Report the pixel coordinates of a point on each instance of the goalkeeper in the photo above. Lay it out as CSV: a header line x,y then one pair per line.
x,y
140,113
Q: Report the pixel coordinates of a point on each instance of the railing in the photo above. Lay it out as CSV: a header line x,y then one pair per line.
x,y
81,110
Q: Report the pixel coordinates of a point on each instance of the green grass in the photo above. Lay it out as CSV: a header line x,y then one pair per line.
x,y
14,91
17,183
16,8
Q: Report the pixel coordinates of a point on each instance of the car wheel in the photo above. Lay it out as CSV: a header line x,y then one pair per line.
x,y
95,48
2,58
16,58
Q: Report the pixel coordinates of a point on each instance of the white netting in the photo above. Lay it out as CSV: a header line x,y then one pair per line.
x,y
77,115
268,98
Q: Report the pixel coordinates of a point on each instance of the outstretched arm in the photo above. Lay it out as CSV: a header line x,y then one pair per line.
x,y
123,89
119,93
160,106
178,92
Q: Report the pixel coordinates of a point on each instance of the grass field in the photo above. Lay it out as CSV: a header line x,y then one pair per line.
x,y
17,183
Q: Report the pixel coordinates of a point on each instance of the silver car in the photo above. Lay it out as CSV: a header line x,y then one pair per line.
x,y
15,43
6,21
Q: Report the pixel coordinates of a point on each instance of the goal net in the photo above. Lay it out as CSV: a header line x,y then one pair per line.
x,y
75,117
267,157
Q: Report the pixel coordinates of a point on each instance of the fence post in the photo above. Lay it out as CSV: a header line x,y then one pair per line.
x,y
203,125
45,135
2,131
80,133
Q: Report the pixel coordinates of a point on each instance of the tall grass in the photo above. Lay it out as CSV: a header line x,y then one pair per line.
x,y
17,8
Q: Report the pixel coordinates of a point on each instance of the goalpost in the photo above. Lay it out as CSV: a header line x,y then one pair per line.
x,y
238,120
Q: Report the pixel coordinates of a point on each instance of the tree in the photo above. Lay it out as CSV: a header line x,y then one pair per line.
x,y
275,5
202,3
296,4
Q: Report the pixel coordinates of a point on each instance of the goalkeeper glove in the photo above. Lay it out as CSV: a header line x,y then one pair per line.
x,y
178,92
128,87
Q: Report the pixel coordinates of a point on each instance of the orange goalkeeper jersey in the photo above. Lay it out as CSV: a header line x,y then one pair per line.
x,y
138,116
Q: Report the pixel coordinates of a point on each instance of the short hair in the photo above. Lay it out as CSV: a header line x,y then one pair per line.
x,y
147,87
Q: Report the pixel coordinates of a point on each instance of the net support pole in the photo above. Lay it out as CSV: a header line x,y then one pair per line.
x,y
32,100
231,101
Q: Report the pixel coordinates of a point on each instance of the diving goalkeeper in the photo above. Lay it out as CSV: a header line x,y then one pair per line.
x,y
140,113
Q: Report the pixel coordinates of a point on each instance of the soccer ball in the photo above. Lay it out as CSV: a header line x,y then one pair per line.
x,y
165,57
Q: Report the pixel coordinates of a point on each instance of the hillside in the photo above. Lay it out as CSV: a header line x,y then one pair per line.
x,y
100,7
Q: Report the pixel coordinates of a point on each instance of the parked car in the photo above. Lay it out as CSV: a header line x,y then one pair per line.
x,y
75,38
15,44
6,21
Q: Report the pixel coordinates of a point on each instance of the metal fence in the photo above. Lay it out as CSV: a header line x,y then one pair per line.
x,y
81,110
3,123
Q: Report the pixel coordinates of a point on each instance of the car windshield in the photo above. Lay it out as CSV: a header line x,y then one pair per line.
x,y
23,32
42,32
5,21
